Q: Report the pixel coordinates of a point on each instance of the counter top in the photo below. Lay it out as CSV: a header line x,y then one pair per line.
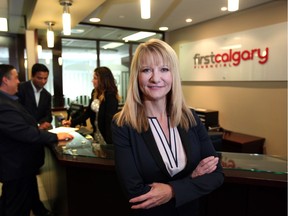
x,y
253,167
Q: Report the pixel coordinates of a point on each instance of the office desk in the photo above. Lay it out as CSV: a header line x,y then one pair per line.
x,y
71,178
242,143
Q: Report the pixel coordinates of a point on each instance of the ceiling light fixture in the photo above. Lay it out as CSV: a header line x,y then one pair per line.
x,y
50,34
112,45
145,9
138,36
3,24
66,16
163,28
233,5
39,50
60,60
94,19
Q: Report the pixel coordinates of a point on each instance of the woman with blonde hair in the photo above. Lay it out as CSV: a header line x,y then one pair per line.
x,y
164,157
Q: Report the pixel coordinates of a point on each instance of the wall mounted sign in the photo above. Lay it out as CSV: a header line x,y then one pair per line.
x,y
253,55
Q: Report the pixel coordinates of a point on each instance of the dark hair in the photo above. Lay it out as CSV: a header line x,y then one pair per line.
x,y
106,81
39,67
5,71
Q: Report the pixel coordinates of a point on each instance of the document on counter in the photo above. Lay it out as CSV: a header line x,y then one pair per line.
x,y
63,129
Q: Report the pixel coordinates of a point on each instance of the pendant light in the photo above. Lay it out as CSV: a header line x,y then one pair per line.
x,y
233,5
50,34
66,16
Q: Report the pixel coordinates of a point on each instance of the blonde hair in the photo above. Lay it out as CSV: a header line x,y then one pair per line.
x,y
133,112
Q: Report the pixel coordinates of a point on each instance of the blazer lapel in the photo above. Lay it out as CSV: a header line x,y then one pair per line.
x,y
31,94
41,99
187,145
152,146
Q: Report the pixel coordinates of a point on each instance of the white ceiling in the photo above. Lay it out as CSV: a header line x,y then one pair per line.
x,y
32,14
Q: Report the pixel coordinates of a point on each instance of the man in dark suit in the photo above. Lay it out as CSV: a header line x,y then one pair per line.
x,y
37,101
35,98
21,148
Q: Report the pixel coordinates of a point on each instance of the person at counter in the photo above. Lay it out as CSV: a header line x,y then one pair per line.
x,y
37,101
21,148
105,90
35,98
164,157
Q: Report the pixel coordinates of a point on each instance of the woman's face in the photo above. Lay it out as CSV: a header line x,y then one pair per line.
x,y
155,81
95,80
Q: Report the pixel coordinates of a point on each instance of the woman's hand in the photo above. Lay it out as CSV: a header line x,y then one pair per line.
x,y
66,123
159,194
207,165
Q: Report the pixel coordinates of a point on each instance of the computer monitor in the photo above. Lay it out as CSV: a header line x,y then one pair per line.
x,y
74,111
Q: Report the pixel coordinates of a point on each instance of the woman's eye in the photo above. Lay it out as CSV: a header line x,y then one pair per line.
x,y
165,69
145,70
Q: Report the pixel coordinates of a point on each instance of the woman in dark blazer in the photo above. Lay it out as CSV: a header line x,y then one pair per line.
x,y
106,92
163,155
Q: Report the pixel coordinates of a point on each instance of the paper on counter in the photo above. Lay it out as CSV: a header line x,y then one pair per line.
x,y
63,129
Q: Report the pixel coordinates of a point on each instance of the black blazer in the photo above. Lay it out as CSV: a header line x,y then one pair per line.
x,y
21,142
108,108
139,163
42,113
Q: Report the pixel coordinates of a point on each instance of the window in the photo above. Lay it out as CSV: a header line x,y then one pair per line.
x,y
4,55
117,59
79,61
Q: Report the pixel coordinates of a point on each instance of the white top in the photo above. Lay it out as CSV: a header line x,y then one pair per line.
x,y
36,93
171,150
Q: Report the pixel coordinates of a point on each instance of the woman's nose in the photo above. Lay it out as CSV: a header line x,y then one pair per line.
x,y
155,76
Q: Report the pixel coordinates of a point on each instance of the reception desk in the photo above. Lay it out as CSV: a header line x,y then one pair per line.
x,y
80,179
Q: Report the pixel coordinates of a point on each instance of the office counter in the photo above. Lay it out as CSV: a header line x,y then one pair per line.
x,y
80,179
81,185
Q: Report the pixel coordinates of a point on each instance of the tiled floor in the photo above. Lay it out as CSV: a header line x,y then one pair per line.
x,y
42,193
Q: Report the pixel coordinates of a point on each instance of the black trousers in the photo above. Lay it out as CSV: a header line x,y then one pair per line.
x,y
19,197
37,206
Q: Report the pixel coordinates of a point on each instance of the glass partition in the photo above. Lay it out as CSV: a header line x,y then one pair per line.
x,y
116,57
79,59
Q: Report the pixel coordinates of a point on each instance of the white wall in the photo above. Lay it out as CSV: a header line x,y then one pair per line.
x,y
255,108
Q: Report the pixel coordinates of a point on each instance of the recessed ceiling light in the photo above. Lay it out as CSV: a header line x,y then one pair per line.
x,y
94,19
163,28
223,8
188,20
